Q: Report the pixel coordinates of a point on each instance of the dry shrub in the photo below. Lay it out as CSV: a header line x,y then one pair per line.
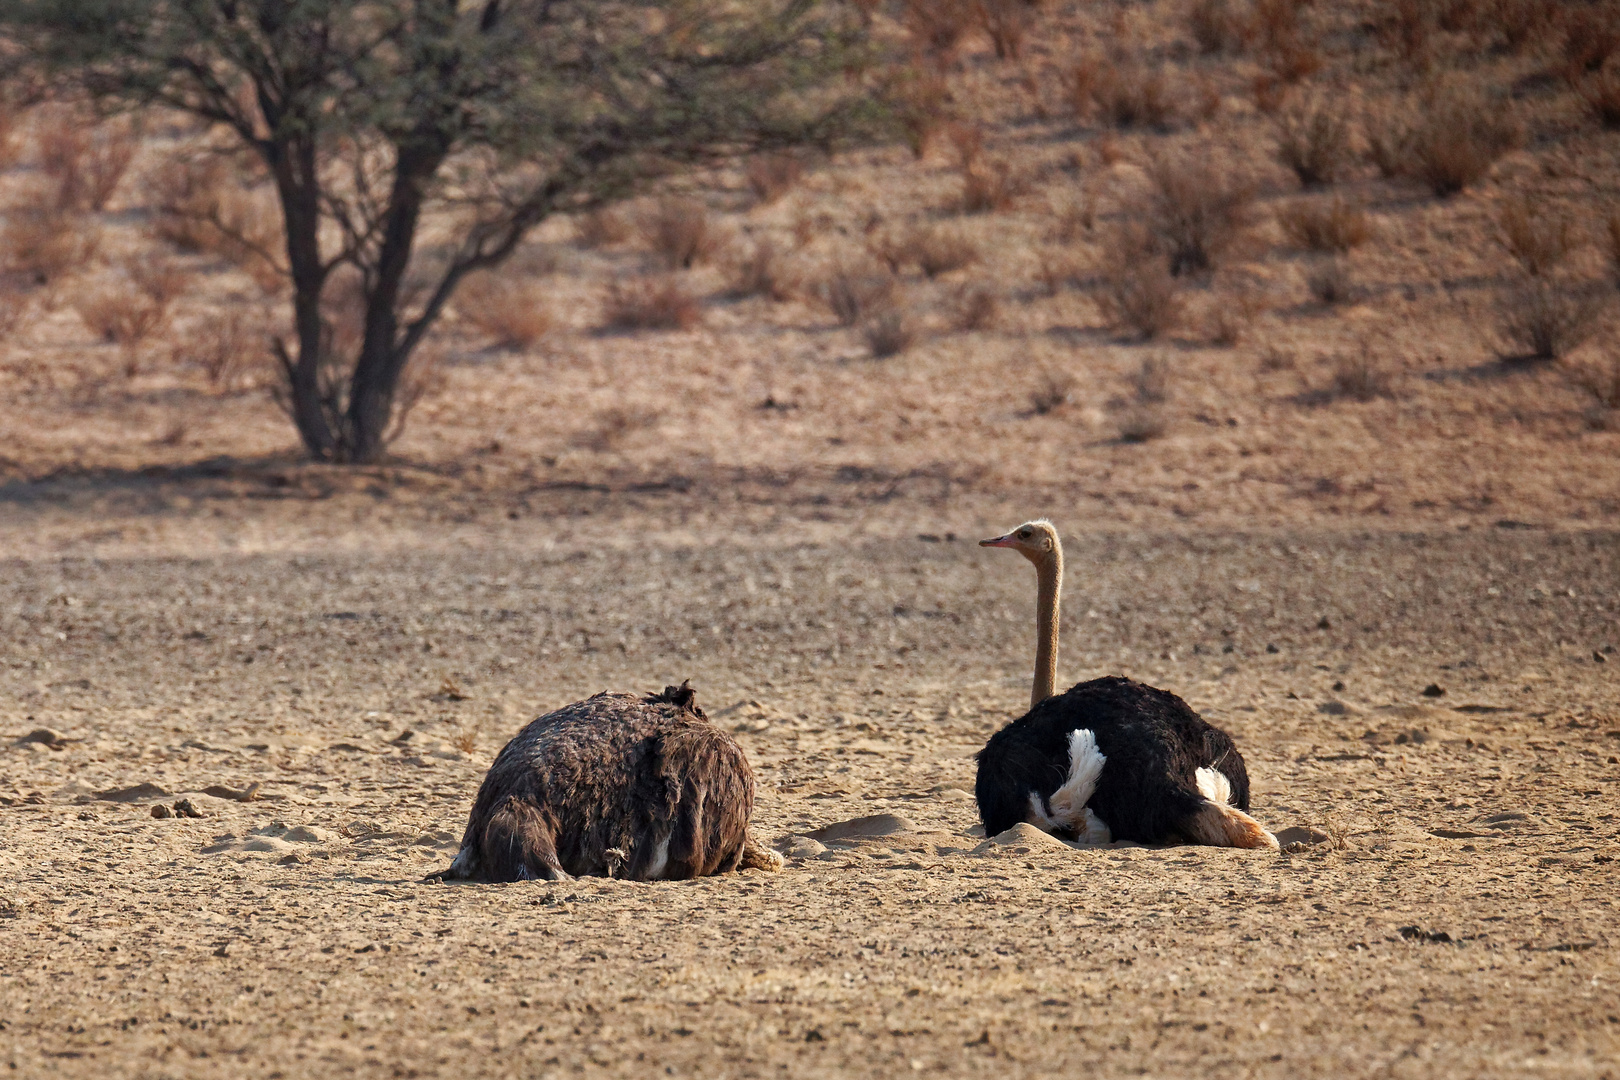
x,y
1315,225
1058,270
888,333
988,185
771,176
1540,319
920,100
762,273
853,295
678,231
160,278
1232,316
1446,142
660,303
15,309
511,311
1358,376
1218,27
1290,55
1600,381
47,244
1141,423
1197,211
201,206
85,163
1121,92
1139,294
1591,36
1313,139
937,27
1151,380
976,308
937,251
1601,93
10,145
600,228
121,314
1407,29
229,345
1144,417
1007,23
1329,281
1051,392
1517,25
1534,233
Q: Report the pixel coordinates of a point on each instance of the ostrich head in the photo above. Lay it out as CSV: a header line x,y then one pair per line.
x,y
1034,540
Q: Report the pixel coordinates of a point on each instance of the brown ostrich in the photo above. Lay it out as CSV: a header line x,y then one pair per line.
x,y
1108,759
642,788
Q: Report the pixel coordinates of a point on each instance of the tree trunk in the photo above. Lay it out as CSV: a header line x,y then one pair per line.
x,y
292,161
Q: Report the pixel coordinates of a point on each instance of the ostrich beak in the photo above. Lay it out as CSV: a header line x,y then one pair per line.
x,y
999,541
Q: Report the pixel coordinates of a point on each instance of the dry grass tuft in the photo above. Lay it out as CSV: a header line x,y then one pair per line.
x,y
938,27
47,244
889,333
1219,27
201,206
612,428
510,311
1599,380
85,164
1313,139
1447,142
975,308
988,184
657,303
1196,213
771,176
1051,392
1534,233
122,314
1601,93
16,308
1314,225
938,251
1007,23
1540,319
1591,37
227,344
1121,92
763,272
1139,294
854,295
602,227
1358,377
1231,316
1329,281
679,233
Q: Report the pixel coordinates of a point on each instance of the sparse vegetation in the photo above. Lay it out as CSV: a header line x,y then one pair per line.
x,y
937,250
763,272
888,333
1218,26
1139,295
1313,139
771,176
510,311
1329,281
46,244
679,233
602,227
1447,141
1358,377
1121,92
1336,224
228,345
1543,319
975,308
651,303
1599,380
1197,211
853,295
1051,392
1537,235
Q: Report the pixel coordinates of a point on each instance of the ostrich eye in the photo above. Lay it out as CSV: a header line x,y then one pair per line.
x,y
1024,535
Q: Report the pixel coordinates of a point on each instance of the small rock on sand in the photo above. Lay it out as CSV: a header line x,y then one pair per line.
x,y
802,847
45,737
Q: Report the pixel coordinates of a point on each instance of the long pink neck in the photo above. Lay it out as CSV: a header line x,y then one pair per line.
x,y
1049,586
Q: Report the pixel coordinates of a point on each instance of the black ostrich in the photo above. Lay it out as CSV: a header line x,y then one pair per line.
x,y
1109,759
618,786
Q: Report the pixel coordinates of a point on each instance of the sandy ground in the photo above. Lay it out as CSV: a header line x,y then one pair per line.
x,y
366,693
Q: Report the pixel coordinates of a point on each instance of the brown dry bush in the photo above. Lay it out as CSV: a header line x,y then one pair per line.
x,y
937,27
853,295
1007,23
1051,392
1601,94
679,232
1517,25
762,273
937,251
612,428
1144,417
921,101
976,308
1446,142
1151,380
1218,27
512,312
988,185
85,164
1599,380
228,345
1541,319
1197,211
1121,92
47,244
15,310
771,176
1316,225
1591,36
1232,316
201,206
1313,139
1358,376
660,303
1537,235
1139,294
1329,281
888,333
121,314
600,228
